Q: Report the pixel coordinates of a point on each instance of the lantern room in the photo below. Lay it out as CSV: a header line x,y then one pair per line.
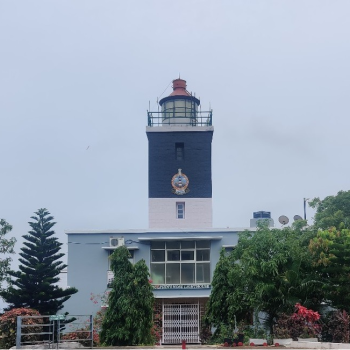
x,y
180,108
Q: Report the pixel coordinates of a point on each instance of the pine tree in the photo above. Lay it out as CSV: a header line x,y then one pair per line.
x,y
35,284
128,319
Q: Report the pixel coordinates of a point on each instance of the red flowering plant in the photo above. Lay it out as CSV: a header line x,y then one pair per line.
x,y
303,323
306,323
8,327
156,330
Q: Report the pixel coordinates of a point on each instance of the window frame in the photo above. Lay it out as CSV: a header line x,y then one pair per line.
x,y
197,264
180,212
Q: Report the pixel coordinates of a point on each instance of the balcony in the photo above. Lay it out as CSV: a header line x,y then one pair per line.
x,y
179,118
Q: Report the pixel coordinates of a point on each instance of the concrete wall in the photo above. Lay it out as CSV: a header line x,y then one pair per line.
x,y
162,213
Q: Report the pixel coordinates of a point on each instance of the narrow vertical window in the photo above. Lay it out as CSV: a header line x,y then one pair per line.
x,y
179,151
180,210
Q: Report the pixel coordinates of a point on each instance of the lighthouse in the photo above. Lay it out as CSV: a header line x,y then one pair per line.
x,y
179,162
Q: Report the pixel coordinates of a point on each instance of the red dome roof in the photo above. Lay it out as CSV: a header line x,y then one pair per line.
x,y
179,87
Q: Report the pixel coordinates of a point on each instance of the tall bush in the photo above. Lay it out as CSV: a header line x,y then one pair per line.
x,y
128,318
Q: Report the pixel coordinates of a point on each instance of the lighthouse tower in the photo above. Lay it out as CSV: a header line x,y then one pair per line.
x,y
179,162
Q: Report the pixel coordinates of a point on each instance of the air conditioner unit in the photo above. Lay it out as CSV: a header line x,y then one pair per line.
x,y
116,242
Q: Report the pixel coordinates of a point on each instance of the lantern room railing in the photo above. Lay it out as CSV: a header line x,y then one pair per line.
x,y
179,118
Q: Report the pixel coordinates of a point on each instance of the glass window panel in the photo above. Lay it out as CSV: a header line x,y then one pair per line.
x,y
157,273
187,273
203,255
180,103
158,255
203,273
180,213
187,244
158,245
187,255
173,273
173,245
173,255
203,244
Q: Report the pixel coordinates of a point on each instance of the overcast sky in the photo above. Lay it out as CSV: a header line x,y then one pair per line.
x,y
76,78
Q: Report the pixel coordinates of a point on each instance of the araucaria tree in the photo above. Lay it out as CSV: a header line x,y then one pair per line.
x,y
6,247
128,319
35,284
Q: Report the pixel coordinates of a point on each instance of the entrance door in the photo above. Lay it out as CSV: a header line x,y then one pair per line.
x,y
180,322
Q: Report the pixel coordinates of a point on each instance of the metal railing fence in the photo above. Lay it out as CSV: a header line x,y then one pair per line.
x,y
53,330
166,118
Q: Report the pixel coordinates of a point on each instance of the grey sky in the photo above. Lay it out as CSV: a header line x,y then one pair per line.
x,y
76,78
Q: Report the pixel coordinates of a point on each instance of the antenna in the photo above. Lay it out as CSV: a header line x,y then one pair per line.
x,y
283,220
297,217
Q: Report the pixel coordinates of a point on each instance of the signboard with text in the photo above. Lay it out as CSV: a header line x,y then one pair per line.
x,y
182,286
57,317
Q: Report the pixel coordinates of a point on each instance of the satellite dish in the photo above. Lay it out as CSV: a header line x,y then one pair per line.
x,y
283,220
297,217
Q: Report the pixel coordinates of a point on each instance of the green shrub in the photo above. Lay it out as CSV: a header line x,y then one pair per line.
x,y
8,327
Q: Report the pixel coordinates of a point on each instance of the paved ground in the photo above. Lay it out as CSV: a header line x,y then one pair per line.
x,y
294,345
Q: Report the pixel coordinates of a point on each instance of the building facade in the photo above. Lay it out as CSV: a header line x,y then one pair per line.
x,y
180,247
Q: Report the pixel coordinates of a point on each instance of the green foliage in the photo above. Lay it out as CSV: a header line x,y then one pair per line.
x,y
217,311
34,285
330,250
269,271
6,247
8,327
221,332
333,211
128,319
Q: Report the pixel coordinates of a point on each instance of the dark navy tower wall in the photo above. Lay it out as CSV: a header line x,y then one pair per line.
x,y
189,151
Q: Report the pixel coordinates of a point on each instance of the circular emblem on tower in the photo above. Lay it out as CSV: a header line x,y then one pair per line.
x,y
180,183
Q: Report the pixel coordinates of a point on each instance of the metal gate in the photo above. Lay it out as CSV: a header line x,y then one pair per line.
x,y
50,332
180,322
